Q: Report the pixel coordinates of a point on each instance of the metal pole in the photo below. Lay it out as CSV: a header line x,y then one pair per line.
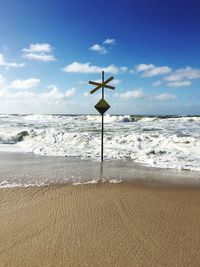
x,y
102,120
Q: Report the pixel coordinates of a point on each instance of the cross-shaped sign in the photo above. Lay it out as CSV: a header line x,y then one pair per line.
x,y
100,85
102,106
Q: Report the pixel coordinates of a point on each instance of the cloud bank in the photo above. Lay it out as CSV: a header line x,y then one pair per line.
x,y
24,84
139,94
150,70
77,67
26,101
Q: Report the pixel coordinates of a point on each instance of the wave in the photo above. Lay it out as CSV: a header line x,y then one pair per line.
x,y
150,149
12,138
109,118
172,142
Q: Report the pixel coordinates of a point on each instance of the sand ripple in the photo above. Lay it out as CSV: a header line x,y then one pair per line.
x,y
99,225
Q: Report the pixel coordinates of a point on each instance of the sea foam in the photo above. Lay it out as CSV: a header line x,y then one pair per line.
x,y
170,142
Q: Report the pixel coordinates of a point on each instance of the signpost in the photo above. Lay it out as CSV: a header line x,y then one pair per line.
x,y
102,106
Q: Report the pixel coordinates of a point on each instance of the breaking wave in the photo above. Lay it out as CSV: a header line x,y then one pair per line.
x,y
166,142
11,138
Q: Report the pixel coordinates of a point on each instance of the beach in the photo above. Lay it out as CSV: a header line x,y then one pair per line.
x,y
61,206
124,224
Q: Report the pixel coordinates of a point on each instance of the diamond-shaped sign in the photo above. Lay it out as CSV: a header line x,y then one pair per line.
x,y
102,106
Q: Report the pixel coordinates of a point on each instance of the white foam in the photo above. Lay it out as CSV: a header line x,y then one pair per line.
x,y
94,181
155,142
6,184
11,148
114,181
109,119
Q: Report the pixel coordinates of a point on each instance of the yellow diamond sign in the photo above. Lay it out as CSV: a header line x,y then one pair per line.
x,y
102,106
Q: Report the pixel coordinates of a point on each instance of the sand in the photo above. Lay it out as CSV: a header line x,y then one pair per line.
x,y
100,225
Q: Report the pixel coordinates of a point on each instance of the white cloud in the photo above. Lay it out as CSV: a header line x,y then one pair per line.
x,y
101,48
164,96
182,77
115,82
98,48
156,83
150,70
2,81
30,102
11,64
39,52
57,94
179,83
110,41
24,84
157,71
187,73
144,67
39,57
138,93
6,95
123,68
78,67
37,48
70,92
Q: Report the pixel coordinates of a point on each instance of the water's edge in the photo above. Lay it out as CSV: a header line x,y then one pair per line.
x,y
27,169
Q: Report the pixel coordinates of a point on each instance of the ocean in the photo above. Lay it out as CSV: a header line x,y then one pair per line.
x,y
166,142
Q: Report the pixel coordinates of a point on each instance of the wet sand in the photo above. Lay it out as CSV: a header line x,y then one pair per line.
x,y
123,224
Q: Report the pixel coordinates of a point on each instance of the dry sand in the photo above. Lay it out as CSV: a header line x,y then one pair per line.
x,y
100,225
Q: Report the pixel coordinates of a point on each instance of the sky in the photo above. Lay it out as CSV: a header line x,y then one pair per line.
x,y
49,50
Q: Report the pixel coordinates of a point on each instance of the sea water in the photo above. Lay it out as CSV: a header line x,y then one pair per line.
x,y
162,142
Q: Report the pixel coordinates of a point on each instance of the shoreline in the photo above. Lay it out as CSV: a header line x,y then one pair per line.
x,y
124,224
22,169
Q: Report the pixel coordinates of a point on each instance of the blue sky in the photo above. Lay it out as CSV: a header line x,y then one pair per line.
x,y
50,49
